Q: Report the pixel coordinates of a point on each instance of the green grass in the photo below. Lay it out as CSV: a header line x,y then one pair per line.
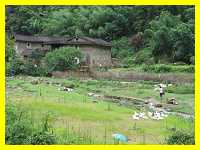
x,y
75,114
158,68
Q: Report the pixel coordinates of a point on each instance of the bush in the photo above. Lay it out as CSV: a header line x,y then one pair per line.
x,y
180,137
62,59
25,67
143,56
20,129
128,62
42,138
29,68
163,68
121,48
15,66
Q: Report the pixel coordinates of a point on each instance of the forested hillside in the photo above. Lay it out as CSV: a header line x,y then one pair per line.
x,y
139,34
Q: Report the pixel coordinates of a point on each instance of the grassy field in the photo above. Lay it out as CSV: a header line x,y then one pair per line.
x,y
75,115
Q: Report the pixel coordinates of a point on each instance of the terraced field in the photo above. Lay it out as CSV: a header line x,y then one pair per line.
x,y
77,117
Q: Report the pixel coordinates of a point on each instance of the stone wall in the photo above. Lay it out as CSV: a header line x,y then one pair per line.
x,y
95,56
98,56
135,76
22,46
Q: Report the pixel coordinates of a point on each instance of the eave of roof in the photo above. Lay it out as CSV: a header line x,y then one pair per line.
x,y
61,40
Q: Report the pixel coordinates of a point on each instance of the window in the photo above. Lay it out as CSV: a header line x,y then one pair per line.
x,y
28,45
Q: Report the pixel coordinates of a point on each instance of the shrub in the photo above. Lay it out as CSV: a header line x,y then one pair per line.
x,y
42,138
15,66
163,68
157,68
61,59
25,67
143,56
121,48
128,62
29,68
20,129
180,137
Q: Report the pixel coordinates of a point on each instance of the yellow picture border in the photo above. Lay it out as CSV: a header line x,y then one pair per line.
x,y
3,3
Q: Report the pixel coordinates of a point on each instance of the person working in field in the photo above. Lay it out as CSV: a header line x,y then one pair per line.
x,y
162,92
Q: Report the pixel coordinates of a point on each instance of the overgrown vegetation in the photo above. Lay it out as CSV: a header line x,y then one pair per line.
x,y
42,114
59,60
181,137
20,128
62,59
164,68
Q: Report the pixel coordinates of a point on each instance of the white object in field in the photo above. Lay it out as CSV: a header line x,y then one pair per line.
x,y
68,89
94,95
151,106
163,115
145,117
90,94
155,115
150,114
141,115
135,117
163,85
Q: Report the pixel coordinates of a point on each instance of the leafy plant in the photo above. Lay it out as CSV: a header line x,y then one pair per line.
x,y
20,129
181,137
62,59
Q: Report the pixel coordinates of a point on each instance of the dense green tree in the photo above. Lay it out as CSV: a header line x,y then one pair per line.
x,y
61,59
170,38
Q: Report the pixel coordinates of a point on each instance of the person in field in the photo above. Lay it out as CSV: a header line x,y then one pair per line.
x,y
162,92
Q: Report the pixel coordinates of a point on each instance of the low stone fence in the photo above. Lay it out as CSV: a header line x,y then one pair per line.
x,y
127,76
134,76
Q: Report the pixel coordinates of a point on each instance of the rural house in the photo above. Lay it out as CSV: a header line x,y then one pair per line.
x,y
96,52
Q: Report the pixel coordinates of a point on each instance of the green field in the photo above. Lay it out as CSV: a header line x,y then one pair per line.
x,y
76,118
